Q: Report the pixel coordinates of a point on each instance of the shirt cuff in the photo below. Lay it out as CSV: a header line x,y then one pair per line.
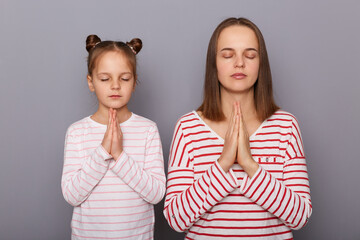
x,y
119,162
248,182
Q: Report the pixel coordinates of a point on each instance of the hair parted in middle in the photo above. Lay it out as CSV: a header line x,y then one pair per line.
x,y
263,93
96,48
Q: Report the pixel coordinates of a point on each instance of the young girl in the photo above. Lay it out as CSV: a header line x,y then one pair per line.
x,y
237,168
113,165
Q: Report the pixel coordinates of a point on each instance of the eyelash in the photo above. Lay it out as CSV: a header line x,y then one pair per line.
x,y
248,57
105,79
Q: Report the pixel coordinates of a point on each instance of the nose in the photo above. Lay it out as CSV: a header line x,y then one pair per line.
x,y
239,62
115,84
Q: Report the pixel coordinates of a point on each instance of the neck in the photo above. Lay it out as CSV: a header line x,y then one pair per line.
x,y
246,100
102,114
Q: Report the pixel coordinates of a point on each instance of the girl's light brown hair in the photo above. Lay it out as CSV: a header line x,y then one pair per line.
x,y
96,48
263,93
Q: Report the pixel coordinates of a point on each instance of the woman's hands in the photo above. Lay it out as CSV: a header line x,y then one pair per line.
x,y
244,157
228,155
112,141
236,145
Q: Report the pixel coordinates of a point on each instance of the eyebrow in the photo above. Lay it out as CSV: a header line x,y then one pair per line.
x,y
110,74
231,49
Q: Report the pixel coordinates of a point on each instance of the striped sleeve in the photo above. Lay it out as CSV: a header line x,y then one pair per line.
x,y
288,200
147,181
187,198
81,173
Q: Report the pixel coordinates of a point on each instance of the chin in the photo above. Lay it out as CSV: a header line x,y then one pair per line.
x,y
118,106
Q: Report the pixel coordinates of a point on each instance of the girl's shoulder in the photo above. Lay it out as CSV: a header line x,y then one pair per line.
x,y
81,125
139,121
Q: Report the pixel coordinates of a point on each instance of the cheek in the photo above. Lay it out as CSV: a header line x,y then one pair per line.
x,y
129,89
222,67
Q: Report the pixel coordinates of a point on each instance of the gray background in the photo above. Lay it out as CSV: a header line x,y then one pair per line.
x,y
314,53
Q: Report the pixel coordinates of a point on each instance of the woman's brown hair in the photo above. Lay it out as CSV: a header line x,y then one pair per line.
x,y
263,93
96,48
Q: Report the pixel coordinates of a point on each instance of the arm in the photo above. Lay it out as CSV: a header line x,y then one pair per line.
x,y
188,199
81,173
288,200
147,181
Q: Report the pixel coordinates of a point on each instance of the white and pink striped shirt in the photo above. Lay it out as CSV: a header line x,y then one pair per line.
x,y
209,203
113,199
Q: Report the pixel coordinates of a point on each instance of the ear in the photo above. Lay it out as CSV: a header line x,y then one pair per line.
x,y
90,83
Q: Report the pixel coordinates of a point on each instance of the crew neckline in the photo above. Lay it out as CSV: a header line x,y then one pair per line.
x,y
218,136
105,125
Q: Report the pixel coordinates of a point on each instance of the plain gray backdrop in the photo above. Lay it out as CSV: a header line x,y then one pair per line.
x,y
314,54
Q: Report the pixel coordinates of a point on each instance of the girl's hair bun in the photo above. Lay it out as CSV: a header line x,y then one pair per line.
x,y
135,44
91,41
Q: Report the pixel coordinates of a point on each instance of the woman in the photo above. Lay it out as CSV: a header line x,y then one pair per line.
x,y
237,167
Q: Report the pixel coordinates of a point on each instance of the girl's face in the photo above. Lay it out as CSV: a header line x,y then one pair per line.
x,y
237,59
112,80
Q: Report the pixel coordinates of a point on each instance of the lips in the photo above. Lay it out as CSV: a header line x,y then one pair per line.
x,y
115,96
238,75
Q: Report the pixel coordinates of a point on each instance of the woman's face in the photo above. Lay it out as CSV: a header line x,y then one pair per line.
x,y
237,59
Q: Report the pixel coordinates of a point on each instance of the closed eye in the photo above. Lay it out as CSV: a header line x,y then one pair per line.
x,y
250,56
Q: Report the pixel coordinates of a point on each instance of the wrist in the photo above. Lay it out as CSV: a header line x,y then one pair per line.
x,y
117,155
224,164
250,167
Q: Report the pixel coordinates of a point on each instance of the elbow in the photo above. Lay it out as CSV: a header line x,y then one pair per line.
x,y
70,198
157,198
159,195
72,202
302,221
173,223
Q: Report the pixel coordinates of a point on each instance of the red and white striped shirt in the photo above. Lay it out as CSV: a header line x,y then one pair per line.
x,y
209,203
113,199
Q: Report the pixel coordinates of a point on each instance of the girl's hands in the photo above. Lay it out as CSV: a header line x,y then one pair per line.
x,y
112,141
228,154
117,137
244,157
107,140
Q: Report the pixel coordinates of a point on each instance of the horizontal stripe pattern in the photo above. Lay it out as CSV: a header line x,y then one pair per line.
x,y
208,203
113,199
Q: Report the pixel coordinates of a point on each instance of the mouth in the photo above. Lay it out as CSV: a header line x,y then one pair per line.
x,y
238,75
114,96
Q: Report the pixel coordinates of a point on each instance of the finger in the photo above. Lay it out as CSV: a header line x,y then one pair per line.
x,y
231,121
237,126
109,116
243,128
109,121
118,130
113,114
238,110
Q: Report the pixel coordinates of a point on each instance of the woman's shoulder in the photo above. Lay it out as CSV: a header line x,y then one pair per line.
x,y
283,117
188,118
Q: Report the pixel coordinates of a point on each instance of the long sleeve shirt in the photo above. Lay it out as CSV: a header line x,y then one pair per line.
x,y
113,199
208,203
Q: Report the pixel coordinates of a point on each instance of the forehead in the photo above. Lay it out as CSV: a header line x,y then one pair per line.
x,y
113,61
237,37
